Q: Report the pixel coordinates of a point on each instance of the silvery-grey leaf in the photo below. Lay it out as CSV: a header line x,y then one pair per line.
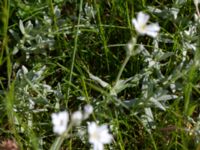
x,y
157,103
100,81
166,97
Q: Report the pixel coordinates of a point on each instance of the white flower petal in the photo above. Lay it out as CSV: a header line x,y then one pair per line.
x,y
142,18
98,146
138,27
152,29
134,22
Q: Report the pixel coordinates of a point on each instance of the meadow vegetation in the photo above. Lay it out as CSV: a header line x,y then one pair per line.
x,y
99,74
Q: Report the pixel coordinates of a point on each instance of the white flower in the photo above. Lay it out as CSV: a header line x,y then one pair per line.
x,y
77,117
60,121
98,136
88,109
141,25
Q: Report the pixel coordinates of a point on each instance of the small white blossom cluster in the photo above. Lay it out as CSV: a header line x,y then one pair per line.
x,y
98,135
60,120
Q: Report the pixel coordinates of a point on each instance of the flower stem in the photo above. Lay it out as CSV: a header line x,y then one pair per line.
x,y
58,142
122,68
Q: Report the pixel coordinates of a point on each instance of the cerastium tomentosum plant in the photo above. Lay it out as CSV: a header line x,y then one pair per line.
x,y
151,87
142,28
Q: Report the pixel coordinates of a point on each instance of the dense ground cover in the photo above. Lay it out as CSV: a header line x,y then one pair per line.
x,y
112,74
